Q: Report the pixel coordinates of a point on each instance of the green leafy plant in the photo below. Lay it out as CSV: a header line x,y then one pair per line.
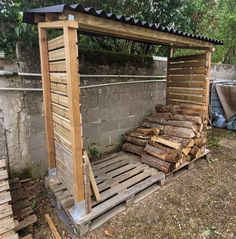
x,y
94,153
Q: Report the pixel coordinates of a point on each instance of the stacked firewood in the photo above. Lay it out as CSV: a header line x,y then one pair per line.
x,y
169,137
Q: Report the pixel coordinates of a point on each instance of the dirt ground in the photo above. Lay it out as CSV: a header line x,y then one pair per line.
x,y
199,204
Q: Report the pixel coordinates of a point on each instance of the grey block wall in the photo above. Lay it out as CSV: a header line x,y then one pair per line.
x,y
108,112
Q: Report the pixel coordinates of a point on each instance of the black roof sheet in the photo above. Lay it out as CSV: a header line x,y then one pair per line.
x,y
28,17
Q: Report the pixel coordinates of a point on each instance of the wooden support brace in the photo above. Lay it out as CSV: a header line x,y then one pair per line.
x,y
43,45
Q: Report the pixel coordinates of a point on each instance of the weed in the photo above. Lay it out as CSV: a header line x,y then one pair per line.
x,y
34,205
94,153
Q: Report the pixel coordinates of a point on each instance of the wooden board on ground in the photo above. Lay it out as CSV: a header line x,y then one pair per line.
x,y
122,179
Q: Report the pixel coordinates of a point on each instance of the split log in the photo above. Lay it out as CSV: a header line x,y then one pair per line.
x,y
148,131
167,108
179,131
165,116
164,166
173,142
204,134
156,120
162,152
134,140
152,125
177,165
194,150
200,141
167,142
186,151
138,135
184,159
131,148
195,119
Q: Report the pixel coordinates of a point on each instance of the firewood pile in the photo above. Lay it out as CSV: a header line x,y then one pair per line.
x,y
169,137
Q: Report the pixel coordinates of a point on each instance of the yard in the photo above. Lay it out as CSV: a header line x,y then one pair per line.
x,y
199,204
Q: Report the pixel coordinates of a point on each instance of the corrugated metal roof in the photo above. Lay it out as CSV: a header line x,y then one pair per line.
x,y
28,17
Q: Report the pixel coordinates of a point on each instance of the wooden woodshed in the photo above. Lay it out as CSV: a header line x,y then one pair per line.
x,y
187,82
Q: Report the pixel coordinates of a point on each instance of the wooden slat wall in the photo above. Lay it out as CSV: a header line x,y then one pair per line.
x,y
60,110
187,80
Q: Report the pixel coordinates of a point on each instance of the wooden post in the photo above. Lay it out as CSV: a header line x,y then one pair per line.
x,y
208,62
169,55
43,45
73,80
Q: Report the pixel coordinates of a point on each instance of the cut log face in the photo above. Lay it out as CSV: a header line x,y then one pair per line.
x,y
131,148
134,140
179,131
162,152
164,166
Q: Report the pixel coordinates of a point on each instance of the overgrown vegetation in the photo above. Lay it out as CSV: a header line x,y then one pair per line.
x,y
213,18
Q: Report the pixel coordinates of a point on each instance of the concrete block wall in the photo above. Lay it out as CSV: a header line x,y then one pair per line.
x,y
108,112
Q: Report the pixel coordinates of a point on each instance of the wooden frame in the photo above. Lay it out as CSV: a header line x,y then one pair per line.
x,y
54,121
59,66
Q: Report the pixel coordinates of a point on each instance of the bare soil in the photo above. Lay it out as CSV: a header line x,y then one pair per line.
x,y
199,204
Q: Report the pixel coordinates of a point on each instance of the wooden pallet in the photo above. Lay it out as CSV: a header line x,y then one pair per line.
x,y
122,180
7,222
22,208
185,167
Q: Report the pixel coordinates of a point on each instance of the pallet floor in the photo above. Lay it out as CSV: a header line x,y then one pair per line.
x,y
7,222
122,179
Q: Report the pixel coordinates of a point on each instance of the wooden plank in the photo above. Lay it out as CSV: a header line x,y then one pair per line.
x,y
189,84
58,78
187,65
195,57
3,174
208,55
195,71
43,45
57,66
65,133
29,220
59,88
61,140
52,227
60,110
177,101
60,99
181,90
71,53
6,225
55,43
92,178
2,163
65,123
114,28
58,24
4,186
187,97
56,55
5,210
186,78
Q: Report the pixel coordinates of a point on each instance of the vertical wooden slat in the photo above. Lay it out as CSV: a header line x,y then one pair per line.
x,y
71,53
169,55
208,60
43,45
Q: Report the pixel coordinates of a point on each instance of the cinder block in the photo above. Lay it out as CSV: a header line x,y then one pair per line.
x,y
97,115
118,112
129,122
36,123
90,129
108,125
